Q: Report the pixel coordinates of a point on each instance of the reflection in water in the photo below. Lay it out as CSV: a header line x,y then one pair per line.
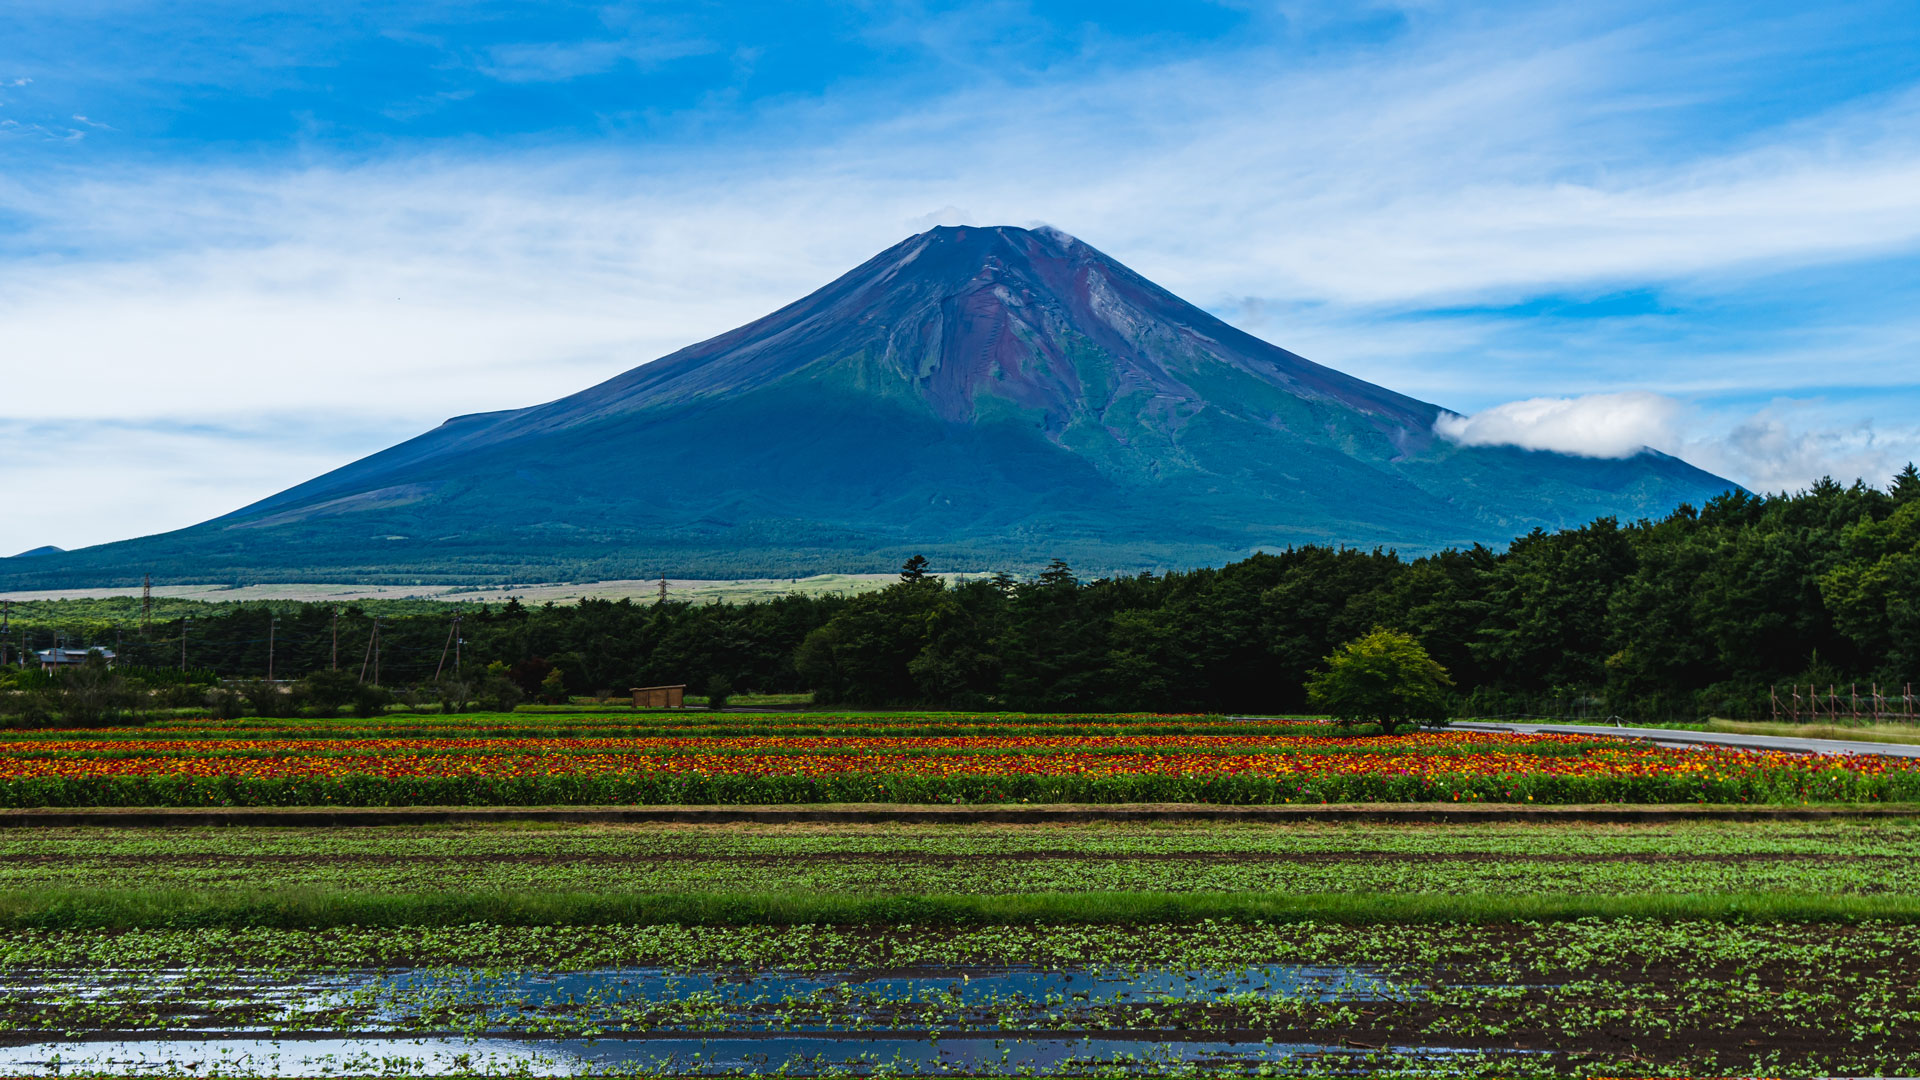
x,y
426,1022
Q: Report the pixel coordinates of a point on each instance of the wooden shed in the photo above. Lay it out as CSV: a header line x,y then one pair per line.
x,y
660,697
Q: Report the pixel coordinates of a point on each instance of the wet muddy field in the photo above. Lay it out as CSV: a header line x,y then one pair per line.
x,y
1614,997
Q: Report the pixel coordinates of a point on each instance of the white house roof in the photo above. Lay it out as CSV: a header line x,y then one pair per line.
x,y
64,655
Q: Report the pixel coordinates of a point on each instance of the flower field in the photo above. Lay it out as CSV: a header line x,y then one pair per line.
x,y
879,759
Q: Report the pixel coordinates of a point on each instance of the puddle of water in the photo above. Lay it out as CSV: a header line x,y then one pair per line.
x,y
411,1022
675,1055
389,1002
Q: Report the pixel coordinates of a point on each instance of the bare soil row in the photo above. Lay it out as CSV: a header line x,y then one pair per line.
x,y
874,813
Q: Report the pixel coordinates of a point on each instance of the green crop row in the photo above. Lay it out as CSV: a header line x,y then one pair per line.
x,y
698,723
1531,859
1774,786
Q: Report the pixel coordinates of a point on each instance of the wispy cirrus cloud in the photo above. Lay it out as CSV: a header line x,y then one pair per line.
x,y
557,61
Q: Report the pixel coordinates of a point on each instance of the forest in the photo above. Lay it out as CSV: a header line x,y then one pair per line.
x,y
1698,613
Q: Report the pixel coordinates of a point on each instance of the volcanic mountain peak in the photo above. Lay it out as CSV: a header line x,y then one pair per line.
x,y
986,396
975,321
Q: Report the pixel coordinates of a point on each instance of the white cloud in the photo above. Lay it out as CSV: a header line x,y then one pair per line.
x,y
946,215
91,482
1783,447
1770,451
1596,425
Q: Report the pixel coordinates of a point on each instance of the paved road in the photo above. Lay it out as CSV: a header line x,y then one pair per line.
x,y
1675,737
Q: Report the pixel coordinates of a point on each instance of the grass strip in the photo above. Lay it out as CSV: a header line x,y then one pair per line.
x,y
128,909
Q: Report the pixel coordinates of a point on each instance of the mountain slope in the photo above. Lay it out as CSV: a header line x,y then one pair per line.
x,y
990,397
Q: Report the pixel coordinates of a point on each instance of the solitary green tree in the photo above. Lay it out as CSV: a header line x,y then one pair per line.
x,y
1384,678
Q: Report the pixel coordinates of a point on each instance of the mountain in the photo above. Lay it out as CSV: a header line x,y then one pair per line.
x,y
990,397
44,549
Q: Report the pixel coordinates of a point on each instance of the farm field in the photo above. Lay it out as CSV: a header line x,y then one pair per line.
x,y
1109,948
1844,857
1613,997
694,589
609,758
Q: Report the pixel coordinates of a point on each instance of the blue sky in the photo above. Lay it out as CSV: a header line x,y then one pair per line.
x,y
241,245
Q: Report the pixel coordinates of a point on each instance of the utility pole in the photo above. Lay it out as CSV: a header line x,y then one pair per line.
x,y
368,658
185,622
6,624
376,652
452,632
146,605
336,639
273,623
454,641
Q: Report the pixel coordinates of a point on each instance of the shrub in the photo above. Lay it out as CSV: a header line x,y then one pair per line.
x,y
719,689
93,692
499,693
325,692
371,700
186,695
263,698
455,695
225,703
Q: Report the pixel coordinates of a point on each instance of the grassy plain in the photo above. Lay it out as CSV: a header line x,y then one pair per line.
x,y
1905,734
173,600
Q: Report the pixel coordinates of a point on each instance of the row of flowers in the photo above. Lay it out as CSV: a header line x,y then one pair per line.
x,y
1279,766
1424,756
801,745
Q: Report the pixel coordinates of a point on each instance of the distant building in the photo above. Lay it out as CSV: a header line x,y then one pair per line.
x,y
659,697
63,657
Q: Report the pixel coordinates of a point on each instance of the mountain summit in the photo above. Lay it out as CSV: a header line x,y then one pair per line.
x,y
992,397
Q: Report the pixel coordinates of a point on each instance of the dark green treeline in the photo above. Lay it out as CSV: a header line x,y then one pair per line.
x,y
1698,613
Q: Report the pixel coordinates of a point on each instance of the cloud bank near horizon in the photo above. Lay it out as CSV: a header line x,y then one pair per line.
x,y
1776,449
1578,227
